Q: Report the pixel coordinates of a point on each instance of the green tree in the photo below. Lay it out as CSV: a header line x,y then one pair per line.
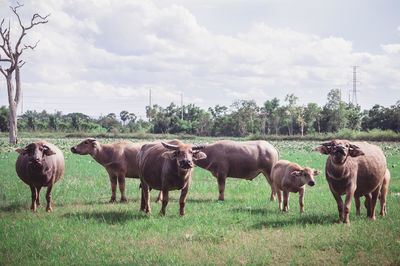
x,y
354,116
334,112
3,119
271,111
291,107
124,115
312,117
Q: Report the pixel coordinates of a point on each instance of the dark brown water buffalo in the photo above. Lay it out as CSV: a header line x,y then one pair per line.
x,y
119,159
40,164
354,169
244,160
165,167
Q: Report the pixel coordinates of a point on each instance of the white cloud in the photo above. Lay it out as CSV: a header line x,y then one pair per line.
x,y
392,48
115,49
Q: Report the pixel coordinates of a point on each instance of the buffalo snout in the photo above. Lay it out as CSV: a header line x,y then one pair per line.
x,y
311,183
73,149
185,164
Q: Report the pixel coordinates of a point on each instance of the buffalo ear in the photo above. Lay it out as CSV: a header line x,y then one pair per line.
x,y
322,149
47,151
355,151
20,151
295,173
171,155
199,155
316,172
93,141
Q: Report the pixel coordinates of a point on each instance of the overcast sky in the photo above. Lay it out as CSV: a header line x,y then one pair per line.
x,y
103,56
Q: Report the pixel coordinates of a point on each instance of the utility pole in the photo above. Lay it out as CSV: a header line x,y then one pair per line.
x,y
149,105
354,99
181,105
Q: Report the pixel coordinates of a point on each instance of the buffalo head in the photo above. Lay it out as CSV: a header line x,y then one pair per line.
x,y
184,154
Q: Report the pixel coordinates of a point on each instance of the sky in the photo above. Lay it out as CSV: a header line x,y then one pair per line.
x,y
103,56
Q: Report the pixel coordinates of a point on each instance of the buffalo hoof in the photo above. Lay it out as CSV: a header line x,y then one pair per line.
x,y
112,200
49,209
124,200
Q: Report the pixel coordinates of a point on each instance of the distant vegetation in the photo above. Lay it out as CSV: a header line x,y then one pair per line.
x,y
244,118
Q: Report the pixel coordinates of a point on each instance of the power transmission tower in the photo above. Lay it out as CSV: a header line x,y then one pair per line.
x,y
354,99
149,105
181,105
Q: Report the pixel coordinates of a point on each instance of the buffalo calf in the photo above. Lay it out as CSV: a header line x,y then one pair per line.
x,y
291,177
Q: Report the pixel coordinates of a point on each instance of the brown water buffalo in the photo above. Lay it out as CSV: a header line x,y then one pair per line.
x,y
119,159
165,167
291,177
244,160
354,169
40,164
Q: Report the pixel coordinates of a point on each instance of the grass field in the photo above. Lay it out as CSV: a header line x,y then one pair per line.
x,y
244,229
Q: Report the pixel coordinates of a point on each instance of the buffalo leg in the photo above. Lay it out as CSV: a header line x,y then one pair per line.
x,y
339,203
384,191
367,204
121,184
273,191
48,198
34,195
38,196
301,200
142,202
279,194
347,205
285,201
145,201
164,201
159,197
382,199
374,198
182,200
113,180
221,186
358,204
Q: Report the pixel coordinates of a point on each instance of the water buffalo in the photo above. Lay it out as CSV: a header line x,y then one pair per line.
x,y
244,160
165,167
354,169
40,164
119,159
291,177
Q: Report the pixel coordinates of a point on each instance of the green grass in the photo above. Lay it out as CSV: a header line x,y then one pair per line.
x,y
245,229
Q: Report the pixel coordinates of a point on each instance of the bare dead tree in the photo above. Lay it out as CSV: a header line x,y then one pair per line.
x,y
11,63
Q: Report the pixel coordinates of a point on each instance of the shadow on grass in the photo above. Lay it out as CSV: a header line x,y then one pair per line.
x,y
199,200
277,219
108,217
302,220
15,206
254,211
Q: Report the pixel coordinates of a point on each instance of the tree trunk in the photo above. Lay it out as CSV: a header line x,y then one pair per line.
x,y
12,116
12,123
302,129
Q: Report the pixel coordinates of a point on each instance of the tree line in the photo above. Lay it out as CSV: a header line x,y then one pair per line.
x,y
242,118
